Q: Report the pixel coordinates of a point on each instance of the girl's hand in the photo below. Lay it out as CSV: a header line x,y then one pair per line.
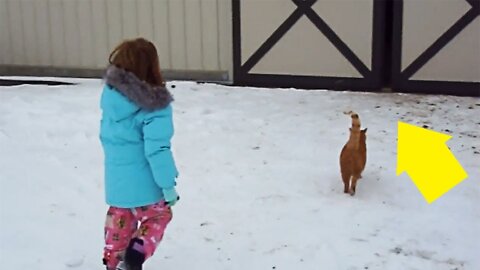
x,y
171,196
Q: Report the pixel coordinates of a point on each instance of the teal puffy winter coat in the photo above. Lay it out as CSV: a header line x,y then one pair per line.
x,y
136,129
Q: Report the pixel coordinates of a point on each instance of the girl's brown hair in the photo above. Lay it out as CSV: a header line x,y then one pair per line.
x,y
138,56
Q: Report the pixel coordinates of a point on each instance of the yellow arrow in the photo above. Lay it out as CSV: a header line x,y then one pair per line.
x,y
425,157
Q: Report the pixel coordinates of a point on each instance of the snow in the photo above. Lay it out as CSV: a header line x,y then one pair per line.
x,y
259,181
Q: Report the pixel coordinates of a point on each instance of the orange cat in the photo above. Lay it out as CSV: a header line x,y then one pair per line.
x,y
353,156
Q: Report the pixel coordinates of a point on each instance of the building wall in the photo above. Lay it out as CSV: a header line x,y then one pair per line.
x,y
341,45
191,35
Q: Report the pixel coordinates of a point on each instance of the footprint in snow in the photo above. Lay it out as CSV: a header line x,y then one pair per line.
x,y
75,262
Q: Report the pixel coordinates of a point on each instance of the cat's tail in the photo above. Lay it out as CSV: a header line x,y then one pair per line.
x,y
355,120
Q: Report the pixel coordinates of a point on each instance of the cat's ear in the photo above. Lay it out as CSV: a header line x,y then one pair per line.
x,y
365,130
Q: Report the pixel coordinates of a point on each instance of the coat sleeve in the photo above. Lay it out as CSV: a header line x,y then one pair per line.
x,y
157,133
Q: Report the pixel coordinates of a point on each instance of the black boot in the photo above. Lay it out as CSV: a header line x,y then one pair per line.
x,y
134,255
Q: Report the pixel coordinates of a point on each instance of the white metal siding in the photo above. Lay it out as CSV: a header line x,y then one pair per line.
x,y
189,34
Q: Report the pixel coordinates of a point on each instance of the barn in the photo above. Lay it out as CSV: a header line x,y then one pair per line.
x,y
419,46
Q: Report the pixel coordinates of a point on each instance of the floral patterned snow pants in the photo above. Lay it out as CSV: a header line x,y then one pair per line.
x,y
122,225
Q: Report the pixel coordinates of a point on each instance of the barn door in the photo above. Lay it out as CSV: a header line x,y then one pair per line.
x,y
436,46
333,44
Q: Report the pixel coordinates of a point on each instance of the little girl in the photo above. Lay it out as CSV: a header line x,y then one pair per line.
x,y
136,129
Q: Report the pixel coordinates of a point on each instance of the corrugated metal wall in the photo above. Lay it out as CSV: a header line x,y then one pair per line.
x,y
189,34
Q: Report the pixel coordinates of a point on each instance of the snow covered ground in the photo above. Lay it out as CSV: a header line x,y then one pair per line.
x,y
259,182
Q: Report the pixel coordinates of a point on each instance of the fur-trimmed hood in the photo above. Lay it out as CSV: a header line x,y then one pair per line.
x,y
139,92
